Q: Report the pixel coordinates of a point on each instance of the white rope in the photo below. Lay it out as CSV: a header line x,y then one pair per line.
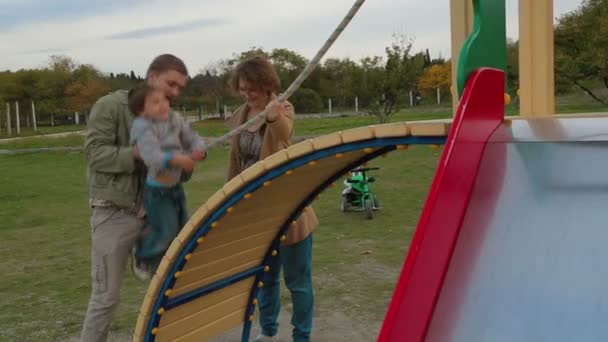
x,y
300,79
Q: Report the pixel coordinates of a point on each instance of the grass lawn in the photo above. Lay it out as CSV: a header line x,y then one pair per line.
x,y
44,254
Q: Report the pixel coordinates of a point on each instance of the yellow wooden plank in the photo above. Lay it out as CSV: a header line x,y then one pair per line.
x,y
193,223
461,21
254,216
216,266
357,134
275,159
216,199
253,172
210,300
209,255
180,288
536,58
329,166
174,249
212,330
327,141
422,129
223,235
150,297
205,318
163,268
140,327
137,337
233,247
233,185
398,129
300,149
148,304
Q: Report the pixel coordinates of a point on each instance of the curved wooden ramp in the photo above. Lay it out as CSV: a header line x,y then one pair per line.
x,y
208,280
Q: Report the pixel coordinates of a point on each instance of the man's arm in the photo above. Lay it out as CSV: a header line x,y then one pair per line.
x,y
101,149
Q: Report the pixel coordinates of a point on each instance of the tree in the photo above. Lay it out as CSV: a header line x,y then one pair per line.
x,y
512,66
340,80
435,76
398,77
581,48
213,84
372,80
288,65
9,87
63,64
306,100
57,77
86,86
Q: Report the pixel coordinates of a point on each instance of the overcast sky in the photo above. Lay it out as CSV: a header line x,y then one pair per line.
x,y
124,35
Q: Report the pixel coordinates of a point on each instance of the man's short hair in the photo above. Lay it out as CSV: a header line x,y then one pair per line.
x,y
167,62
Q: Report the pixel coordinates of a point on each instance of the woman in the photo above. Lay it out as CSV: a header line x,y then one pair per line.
x,y
257,82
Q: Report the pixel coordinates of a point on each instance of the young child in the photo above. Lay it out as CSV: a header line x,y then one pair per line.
x,y
168,147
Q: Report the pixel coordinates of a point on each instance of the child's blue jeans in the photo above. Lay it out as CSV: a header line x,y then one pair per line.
x,y
166,214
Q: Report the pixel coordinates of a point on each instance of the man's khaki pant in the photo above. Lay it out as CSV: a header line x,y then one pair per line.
x,y
114,232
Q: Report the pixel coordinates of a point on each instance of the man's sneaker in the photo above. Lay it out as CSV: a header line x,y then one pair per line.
x,y
141,271
264,338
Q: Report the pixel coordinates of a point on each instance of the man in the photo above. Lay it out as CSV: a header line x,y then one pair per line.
x,y
114,178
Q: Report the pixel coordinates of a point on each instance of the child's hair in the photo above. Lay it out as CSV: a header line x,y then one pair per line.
x,y
138,95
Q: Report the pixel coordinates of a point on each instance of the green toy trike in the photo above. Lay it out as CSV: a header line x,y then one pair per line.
x,y
357,195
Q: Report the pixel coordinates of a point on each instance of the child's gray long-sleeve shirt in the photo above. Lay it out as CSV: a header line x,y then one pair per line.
x,y
157,141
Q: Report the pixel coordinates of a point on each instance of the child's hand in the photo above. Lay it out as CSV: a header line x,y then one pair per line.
x,y
182,161
198,155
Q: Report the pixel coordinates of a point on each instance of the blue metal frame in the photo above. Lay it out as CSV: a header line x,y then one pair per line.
x,y
162,300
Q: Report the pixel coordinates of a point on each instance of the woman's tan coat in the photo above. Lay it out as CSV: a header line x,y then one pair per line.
x,y
277,136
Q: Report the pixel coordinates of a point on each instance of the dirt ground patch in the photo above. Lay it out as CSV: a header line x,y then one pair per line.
x,y
327,326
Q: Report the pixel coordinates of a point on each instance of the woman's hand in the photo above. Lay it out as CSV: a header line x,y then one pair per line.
x,y
273,109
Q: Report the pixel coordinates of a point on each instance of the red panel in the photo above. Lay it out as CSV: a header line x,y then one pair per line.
x,y
480,211
480,112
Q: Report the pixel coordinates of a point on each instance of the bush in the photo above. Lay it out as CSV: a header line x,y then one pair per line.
x,y
306,101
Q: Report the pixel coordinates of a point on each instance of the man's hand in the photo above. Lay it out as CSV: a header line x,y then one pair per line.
x,y
182,161
198,155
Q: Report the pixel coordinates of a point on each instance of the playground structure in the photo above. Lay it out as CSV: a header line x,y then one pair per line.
x,y
536,56
497,254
